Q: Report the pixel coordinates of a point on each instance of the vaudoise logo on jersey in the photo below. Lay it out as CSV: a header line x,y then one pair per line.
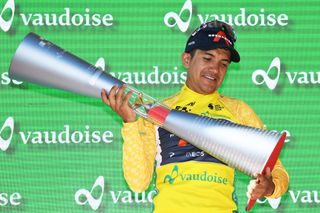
x,y
170,179
201,176
5,25
174,174
5,142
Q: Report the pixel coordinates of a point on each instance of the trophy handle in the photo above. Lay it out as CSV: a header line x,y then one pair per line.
x,y
270,163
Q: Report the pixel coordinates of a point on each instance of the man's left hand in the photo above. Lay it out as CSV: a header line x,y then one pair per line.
x,y
261,186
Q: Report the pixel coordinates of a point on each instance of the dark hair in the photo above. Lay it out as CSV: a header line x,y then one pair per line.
x,y
192,53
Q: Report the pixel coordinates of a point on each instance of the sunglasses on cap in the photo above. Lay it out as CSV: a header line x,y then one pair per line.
x,y
213,25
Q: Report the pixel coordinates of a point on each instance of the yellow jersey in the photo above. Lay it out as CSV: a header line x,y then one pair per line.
x,y
187,178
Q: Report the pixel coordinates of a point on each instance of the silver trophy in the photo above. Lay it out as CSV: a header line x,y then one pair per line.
x,y
249,150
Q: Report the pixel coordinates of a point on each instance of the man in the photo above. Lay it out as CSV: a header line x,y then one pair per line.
x,y
187,178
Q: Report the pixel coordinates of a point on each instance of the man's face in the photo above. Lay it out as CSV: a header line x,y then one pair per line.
x,y
206,69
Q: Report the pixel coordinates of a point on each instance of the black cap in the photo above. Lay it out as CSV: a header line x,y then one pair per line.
x,y
212,35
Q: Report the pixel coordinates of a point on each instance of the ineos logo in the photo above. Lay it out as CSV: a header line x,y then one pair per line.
x,y
5,25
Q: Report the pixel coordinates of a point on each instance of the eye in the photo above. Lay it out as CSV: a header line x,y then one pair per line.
x,y
225,65
206,58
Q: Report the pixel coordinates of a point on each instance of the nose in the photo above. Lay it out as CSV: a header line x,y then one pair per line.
x,y
213,66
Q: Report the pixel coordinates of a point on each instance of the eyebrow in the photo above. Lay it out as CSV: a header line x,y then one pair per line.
x,y
227,60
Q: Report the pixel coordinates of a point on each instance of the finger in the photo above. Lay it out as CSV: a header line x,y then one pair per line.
x,y
249,195
253,184
254,196
258,181
127,98
260,178
112,98
104,97
119,96
268,172
249,189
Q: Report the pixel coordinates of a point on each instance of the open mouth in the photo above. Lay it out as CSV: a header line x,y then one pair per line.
x,y
209,77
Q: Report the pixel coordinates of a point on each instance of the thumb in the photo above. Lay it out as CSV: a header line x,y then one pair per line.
x,y
268,172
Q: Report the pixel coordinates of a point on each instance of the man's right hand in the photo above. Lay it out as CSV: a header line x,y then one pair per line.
x,y
119,102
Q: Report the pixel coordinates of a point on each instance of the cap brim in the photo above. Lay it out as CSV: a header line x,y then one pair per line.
x,y
235,57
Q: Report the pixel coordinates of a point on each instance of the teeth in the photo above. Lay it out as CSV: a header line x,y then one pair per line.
x,y
210,77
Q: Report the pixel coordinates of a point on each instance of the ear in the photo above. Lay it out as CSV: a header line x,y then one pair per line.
x,y
186,58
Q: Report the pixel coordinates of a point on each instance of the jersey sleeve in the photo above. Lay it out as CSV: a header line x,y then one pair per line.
x,y
280,176
139,151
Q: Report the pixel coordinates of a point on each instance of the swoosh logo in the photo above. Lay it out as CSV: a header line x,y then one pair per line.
x,y
5,25
4,143
183,25
260,76
93,202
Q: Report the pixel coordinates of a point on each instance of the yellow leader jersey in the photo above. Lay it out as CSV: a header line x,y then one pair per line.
x,y
187,178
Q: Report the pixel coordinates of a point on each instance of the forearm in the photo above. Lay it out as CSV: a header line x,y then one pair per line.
x,y
138,155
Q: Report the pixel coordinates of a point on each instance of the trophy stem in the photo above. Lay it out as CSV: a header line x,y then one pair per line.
x,y
147,107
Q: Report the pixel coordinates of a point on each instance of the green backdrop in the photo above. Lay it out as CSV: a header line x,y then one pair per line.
x,y
141,43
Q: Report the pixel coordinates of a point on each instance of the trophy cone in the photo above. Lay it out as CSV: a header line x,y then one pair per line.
x,y
41,62
249,150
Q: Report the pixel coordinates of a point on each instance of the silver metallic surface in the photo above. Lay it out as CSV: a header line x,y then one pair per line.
x,y
245,148
39,61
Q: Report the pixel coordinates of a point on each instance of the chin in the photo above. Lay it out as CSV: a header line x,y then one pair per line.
x,y
208,91
208,88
